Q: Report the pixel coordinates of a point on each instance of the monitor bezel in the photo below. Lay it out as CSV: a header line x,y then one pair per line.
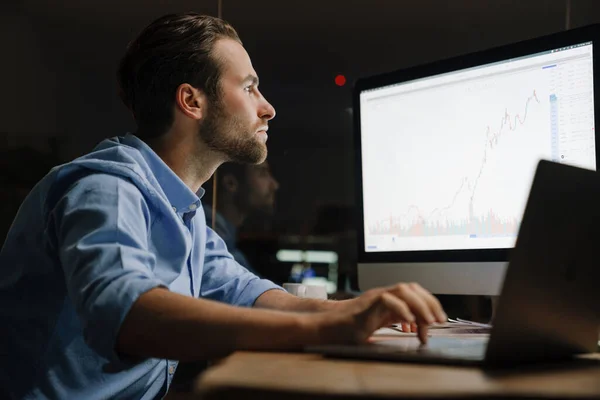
x,y
524,48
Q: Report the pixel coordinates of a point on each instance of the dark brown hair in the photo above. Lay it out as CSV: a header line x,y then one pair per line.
x,y
172,50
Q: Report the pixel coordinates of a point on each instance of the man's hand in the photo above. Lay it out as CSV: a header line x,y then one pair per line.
x,y
353,321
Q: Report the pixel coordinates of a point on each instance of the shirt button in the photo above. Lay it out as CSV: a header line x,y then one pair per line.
x,y
175,209
193,207
171,369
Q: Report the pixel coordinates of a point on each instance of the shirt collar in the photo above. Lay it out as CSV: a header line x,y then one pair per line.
x,y
180,196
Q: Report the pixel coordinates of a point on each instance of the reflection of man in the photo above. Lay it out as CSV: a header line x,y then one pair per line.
x,y
242,190
109,275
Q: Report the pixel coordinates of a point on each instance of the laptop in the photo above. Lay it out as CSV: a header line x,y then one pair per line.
x,y
549,306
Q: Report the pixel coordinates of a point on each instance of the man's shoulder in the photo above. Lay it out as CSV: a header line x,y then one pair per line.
x,y
108,167
73,186
114,158
90,181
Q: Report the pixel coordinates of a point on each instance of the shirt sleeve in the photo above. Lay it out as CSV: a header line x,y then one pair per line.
x,y
101,227
225,280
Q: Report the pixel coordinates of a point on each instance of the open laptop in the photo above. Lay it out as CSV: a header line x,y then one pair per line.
x,y
549,307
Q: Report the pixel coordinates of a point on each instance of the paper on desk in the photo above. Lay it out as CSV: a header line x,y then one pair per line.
x,y
391,332
444,329
396,329
447,325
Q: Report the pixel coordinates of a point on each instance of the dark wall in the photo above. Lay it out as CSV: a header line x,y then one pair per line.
x,y
59,79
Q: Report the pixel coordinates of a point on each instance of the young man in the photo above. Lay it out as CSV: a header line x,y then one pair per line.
x,y
109,273
242,190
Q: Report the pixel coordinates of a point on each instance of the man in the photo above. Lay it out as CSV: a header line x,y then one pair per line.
x,y
242,190
109,273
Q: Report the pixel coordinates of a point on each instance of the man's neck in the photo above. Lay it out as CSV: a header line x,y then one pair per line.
x,y
189,158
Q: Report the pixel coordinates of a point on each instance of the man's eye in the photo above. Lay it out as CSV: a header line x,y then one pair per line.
x,y
248,88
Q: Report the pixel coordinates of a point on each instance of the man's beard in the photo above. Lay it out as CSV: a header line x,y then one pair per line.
x,y
229,135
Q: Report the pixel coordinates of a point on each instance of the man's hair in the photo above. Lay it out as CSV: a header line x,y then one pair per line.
x,y
172,50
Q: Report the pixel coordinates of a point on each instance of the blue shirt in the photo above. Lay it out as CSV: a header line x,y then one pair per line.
x,y
227,231
89,239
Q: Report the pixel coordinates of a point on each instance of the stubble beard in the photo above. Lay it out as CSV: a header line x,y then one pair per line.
x,y
227,134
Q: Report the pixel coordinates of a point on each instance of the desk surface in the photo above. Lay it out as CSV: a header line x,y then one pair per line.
x,y
253,375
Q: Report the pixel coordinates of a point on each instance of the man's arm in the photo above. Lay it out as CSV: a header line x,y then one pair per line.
x,y
168,325
280,300
164,324
224,279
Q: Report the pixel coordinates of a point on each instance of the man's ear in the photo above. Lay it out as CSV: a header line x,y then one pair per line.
x,y
230,183
190,101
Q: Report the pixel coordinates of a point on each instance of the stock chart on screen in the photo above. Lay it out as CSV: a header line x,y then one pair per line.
x,y
448,160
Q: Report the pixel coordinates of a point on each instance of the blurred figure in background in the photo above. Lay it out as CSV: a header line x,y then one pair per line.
x,y
242,190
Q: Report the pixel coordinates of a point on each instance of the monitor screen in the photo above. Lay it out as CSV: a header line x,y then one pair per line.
x,y
447,160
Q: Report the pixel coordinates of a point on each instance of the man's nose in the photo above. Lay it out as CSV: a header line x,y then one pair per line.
x,y
267,111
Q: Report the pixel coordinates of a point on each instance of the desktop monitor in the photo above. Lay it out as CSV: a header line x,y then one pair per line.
x,y
446,154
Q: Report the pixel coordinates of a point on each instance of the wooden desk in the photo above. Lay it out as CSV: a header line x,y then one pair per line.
x,y
249,375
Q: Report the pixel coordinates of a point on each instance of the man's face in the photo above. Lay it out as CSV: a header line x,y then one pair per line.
x,y
257,192
236,123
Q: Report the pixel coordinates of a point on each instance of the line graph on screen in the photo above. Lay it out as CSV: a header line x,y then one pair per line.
x,y
459,215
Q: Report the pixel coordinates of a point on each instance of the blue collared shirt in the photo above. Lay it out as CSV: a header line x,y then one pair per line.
x,y
90,238
227,231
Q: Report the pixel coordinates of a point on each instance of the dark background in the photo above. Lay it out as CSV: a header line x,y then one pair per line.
x,y
59,59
